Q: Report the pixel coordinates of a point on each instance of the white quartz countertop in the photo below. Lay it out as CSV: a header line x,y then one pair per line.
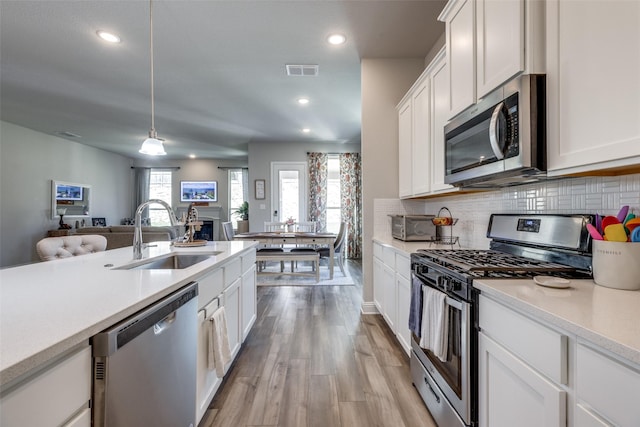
x,y
48,308
609,318
406,247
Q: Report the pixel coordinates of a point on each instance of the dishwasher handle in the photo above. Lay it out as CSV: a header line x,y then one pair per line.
x,y
158,316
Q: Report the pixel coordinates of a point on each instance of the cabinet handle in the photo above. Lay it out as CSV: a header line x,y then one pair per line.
x,y
493,132
432,390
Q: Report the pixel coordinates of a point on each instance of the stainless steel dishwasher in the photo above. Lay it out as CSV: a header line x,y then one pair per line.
x,y
144,368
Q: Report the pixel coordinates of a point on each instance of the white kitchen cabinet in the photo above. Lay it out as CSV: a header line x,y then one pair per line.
x,y
248,301
488,43
404,149
403,301
511,393
232,306
440,101
389,305
607,386
378,288
392,290
422,114
234,286
460,23
421,138
207,381
592,88
38,400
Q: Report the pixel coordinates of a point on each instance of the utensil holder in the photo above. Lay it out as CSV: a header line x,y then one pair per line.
x,y
616,264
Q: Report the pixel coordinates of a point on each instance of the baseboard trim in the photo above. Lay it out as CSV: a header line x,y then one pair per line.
x,y
368,307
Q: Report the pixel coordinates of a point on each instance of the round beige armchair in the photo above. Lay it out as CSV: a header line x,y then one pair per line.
x,y
52,248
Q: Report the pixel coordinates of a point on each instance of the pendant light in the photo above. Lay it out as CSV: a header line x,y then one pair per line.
x,y
152,145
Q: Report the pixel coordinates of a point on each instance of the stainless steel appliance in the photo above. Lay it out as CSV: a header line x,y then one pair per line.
x,y
417,228
145,366
522,246
501,140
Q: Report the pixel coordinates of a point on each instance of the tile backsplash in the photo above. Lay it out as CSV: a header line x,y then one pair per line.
x,y
603,195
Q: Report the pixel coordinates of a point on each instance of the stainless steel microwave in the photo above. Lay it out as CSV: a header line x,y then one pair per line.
x,y
501,140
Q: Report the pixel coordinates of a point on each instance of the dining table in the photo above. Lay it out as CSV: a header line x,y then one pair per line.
x,y
279,238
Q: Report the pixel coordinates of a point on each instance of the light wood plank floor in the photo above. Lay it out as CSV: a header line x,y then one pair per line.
x,y
313,360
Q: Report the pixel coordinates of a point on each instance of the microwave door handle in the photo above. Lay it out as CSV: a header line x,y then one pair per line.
x,y
493,132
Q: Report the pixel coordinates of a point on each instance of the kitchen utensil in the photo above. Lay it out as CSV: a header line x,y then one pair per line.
x,y
552,282
623,213
635,236
607,221
632,224
629,217
599,223
595,234
615,233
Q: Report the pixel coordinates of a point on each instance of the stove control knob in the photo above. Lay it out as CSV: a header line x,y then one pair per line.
x,y
455,286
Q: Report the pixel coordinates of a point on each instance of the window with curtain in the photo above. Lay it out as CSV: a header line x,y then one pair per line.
x,y
159,188
333,194
238,192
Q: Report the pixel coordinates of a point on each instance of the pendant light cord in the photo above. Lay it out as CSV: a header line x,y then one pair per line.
x,y
152,133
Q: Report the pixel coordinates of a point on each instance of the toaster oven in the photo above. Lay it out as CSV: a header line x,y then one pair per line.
x,y
416,228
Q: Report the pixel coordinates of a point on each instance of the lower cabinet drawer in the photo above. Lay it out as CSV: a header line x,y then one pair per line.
x,y
541,347
232,271
248,260
209,287
609,387
51,397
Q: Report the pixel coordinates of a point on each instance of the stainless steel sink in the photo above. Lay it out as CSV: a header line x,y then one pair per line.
x,y
171,262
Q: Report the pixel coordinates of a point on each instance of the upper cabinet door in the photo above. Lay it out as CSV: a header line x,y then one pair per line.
x,y
405,137
593,85
421,154
459,17
499,43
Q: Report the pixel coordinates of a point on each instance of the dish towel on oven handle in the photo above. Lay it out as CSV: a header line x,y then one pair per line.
x,y
415,307
219,350
434,322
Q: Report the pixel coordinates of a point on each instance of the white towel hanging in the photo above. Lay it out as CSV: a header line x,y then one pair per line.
x,y
434,322
219,353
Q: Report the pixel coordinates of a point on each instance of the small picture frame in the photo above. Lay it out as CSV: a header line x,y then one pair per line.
x,y
259,187
99,222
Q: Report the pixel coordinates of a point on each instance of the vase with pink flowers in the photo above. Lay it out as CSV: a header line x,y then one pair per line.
x,y
290,222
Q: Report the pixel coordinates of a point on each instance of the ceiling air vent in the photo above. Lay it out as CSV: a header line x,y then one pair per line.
x,y
302,70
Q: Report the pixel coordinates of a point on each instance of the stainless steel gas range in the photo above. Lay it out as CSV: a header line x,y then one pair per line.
x,y
522,246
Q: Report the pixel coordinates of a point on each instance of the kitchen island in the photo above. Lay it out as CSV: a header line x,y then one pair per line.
x,y
48,308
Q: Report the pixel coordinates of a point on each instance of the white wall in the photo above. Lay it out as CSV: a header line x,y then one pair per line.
x,y
384,82
198,170
590,195
261,154
29,160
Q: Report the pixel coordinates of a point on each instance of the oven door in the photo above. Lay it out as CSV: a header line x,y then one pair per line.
x,y
452,376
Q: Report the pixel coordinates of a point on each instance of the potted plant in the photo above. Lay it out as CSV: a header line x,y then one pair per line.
x,y
243,213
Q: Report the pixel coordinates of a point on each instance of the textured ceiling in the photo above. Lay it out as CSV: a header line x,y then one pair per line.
x,y
220,79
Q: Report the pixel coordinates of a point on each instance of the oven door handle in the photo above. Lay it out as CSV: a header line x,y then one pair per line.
x,y
453,303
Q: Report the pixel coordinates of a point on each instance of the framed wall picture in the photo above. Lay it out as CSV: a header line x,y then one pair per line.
x,y
260,189
99,222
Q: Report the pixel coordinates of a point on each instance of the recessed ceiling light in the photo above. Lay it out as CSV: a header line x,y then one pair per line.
x,y
306,130
111,38
303,101
336,39
192,156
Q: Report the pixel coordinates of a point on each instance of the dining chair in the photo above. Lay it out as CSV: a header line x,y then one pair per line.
x,y
272,226
227,230
275,226
52,248
303,227
338,247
